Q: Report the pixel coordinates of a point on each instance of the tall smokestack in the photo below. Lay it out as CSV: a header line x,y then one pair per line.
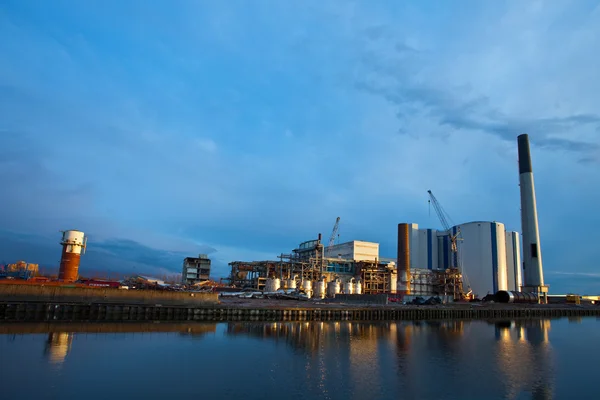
x,y
73,243
532,253
403,263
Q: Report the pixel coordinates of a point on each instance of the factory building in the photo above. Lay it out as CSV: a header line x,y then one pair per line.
x,y
482,253
356,250
195,270
513,261
488,257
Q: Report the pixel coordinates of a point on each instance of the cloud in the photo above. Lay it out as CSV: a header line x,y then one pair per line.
x,y
207,145
164,136
476,114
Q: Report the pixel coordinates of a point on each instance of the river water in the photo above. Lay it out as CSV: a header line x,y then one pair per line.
x,y
532,359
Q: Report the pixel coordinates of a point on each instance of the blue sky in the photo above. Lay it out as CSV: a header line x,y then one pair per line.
x,y
241,128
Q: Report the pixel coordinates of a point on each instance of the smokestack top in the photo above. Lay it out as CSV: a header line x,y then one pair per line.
x,y
524,154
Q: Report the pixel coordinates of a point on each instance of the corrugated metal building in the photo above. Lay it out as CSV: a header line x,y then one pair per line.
x,y
513,260
356,250
489,256
482,253
428,249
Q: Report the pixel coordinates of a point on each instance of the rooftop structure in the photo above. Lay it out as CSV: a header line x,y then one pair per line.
x,y
356,250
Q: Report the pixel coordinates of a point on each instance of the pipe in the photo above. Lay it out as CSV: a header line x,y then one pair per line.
x,y
509,296
403,264
533,274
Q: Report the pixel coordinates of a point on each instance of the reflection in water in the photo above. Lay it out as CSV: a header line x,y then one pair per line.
x,y
421,350
524,355
336,360
57,347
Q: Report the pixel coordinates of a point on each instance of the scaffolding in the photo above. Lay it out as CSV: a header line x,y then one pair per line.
x,y
438,283
377,277
308,262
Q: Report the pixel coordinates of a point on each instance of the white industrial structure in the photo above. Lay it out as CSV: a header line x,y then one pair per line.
x,y
356,250
513,261
532,252
488,257
483,256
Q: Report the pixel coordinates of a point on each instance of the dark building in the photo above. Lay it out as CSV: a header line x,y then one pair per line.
x,y
195,270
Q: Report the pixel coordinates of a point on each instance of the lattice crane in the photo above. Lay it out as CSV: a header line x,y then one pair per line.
x,y
444,217
442,214
334,232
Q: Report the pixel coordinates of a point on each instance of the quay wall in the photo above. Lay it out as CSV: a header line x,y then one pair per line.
x,y
382,299
106,312
57,294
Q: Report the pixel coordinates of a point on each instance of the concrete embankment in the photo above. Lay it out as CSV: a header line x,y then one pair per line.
x,y
97,312
78,295
54,304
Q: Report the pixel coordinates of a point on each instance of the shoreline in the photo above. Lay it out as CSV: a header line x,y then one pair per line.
x,y
275,311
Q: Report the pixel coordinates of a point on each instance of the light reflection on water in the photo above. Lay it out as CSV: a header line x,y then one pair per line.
x,y
330,360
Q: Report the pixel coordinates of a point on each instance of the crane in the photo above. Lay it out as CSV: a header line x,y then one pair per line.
x,y
442,214
454,238
334,232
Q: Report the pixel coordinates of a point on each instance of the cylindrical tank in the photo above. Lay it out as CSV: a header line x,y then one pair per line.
x,y
358,287
307,287
333,288
291,284
393,283
349,286
272,284
506,296
73,243
320,288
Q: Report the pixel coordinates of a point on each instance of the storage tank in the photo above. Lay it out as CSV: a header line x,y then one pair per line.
x,y
74,244
291,283
349,286
320,288
507,296
272,284
393,282
483,254
333,288
358,287
307,287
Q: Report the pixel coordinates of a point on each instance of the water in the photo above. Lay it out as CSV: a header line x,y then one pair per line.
x,y
535,359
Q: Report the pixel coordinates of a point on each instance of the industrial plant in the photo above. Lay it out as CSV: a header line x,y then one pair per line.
x,y
459,262
468,261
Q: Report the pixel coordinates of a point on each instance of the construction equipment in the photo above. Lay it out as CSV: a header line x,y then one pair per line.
x,y
454,238
334,232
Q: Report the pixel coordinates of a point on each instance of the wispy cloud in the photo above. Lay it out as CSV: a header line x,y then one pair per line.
x,y
241,130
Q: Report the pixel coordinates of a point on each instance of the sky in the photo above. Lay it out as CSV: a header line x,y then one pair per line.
x,y
165,129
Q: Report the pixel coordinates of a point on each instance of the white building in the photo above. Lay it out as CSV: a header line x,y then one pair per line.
x,y
355,250
482,253
489,257
513,261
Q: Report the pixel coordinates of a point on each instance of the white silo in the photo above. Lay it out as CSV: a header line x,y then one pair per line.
x,y
482,253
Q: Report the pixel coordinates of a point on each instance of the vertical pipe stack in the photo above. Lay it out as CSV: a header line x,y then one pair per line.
x,y
404,258
73,243
533,275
